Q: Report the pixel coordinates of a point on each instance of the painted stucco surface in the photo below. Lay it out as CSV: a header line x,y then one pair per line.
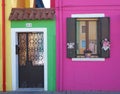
x,y
51,35
0,49
7,31
8,49
84,75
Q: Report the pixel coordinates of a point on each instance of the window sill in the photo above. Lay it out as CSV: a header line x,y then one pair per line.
x,y
88,59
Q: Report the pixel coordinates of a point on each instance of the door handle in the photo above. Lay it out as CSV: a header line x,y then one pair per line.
x,y
17,49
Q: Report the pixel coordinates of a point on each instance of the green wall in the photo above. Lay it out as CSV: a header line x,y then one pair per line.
x,y
51,43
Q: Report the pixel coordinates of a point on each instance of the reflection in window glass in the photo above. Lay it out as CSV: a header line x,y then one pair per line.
x,y
83,44
93,37
80,36
86,36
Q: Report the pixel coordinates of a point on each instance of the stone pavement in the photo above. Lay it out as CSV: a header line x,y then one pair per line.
x,y
65,92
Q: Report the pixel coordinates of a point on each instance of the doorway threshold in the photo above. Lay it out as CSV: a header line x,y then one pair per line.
x,y
30,89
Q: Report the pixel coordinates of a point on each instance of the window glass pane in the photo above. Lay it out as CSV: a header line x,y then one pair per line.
x,y
83,44
81,37
93,36
36,48
86,36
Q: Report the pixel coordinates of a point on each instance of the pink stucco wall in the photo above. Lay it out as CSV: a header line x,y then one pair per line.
x,y
85,76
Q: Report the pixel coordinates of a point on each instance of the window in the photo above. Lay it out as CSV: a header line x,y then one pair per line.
x,y
86,37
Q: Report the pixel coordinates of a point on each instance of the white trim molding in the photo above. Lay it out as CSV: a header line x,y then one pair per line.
x,y
88,59
87,15
14,41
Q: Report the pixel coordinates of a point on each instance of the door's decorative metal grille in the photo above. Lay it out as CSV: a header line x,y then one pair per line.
x,y
22,48
31,48
35,48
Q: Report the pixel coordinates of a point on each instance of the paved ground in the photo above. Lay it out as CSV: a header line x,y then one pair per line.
x,y
67,92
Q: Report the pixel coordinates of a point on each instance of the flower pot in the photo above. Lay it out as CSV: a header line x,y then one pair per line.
x,y
87,55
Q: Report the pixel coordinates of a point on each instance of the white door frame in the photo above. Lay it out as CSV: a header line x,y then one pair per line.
x,y
14,39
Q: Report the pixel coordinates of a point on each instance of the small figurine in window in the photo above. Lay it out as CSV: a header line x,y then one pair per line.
x,y
92,46
105,44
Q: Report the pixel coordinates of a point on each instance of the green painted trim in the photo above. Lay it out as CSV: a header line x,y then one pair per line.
x,y
51,42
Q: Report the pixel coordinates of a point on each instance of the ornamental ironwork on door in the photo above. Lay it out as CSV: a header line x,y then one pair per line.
x,y
30,50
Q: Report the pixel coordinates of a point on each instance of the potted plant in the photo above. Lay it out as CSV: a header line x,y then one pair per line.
x,y
87,53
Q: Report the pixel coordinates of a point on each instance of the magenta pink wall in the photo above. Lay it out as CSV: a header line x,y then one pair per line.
x,y
87,76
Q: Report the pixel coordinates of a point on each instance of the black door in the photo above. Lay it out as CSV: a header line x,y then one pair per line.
x,y
30,51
